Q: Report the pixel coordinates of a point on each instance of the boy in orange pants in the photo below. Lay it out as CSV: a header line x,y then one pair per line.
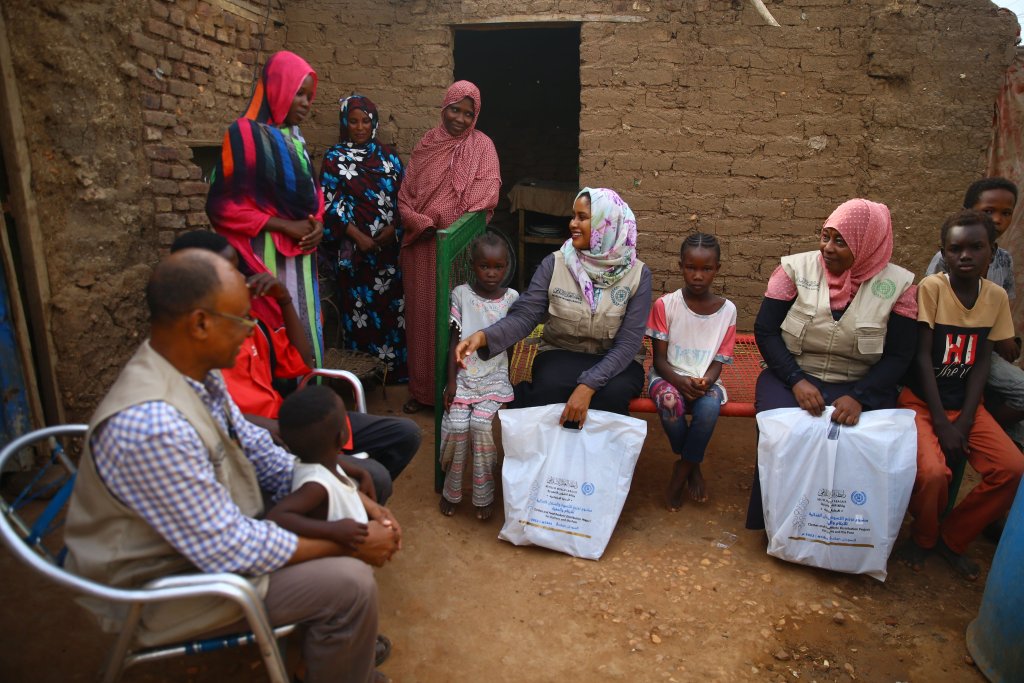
x,y
961,316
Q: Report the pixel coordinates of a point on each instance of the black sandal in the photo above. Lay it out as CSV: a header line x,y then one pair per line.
x,y
382,650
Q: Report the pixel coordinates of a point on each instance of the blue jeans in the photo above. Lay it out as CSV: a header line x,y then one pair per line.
x,y
689,441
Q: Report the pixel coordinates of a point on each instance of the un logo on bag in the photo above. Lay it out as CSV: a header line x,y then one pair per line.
x,y
587,489
858,497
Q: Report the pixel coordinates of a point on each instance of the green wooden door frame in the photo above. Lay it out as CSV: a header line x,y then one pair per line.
x,y
452,244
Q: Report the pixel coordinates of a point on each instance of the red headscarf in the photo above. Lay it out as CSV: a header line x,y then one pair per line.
x,y
282,77
265,171
449,176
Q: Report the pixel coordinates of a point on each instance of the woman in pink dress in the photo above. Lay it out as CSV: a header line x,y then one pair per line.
x,y
454,170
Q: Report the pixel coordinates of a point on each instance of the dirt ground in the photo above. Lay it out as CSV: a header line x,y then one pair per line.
x,y
663,604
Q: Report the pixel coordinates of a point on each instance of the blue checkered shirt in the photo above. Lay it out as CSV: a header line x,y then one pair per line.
x,y
153,461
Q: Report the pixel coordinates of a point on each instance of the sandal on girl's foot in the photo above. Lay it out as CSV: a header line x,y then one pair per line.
x,y
382,650
412,406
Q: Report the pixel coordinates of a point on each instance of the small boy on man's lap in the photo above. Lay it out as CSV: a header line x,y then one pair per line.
x,y
324,502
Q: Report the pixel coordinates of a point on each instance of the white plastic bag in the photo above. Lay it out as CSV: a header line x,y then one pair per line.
x,y
834,497
564,488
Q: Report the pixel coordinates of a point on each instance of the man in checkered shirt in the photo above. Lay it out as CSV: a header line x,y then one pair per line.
x,y
173,479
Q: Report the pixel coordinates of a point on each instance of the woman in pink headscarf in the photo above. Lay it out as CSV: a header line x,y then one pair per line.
x,y
453,170
837,326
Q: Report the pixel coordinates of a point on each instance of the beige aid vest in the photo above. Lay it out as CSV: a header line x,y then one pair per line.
x,y
571,325
109,543
838,350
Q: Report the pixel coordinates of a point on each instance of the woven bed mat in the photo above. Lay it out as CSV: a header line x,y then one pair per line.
x,y
359,363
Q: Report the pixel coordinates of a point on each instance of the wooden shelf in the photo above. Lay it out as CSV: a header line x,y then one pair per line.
x,y
533,239
526,239
549,202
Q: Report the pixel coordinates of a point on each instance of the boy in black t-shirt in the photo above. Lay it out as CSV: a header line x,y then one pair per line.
x,y
961,315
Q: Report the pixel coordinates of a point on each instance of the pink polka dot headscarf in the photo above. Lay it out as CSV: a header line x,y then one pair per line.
x,y
866,228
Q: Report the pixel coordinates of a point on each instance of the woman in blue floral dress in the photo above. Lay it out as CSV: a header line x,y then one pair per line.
x,y
362,233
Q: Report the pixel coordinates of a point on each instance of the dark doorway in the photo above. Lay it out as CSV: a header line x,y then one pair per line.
x,y
529,80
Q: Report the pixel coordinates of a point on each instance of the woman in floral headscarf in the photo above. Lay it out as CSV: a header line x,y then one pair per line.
x,y
264,198
593,296
837,326
454,170
360,178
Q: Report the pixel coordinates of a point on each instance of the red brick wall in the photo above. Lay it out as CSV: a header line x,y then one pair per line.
x,y
195,70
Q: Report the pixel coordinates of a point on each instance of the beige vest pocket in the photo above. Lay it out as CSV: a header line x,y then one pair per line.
x,y
794,327
870,341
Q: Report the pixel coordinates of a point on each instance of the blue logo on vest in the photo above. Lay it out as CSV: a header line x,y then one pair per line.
x,y
620,295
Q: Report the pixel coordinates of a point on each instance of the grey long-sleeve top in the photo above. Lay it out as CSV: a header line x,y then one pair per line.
x,y
531,309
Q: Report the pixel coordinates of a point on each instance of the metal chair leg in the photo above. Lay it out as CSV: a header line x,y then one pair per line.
x,y
115,659
267,643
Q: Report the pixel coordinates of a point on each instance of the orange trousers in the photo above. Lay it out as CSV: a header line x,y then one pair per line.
x,y
992,455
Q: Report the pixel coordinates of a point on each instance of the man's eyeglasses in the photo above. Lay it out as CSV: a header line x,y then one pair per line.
x,y
248,322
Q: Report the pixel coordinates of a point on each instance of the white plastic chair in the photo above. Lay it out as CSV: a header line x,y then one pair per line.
x,y
27,540
351,378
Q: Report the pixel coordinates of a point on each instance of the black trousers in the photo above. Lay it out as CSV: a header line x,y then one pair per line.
x,y
391,442
556,374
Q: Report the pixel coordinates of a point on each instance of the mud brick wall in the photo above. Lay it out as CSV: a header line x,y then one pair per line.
x,y
702,116
115,95
755,133
397,53
196,64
